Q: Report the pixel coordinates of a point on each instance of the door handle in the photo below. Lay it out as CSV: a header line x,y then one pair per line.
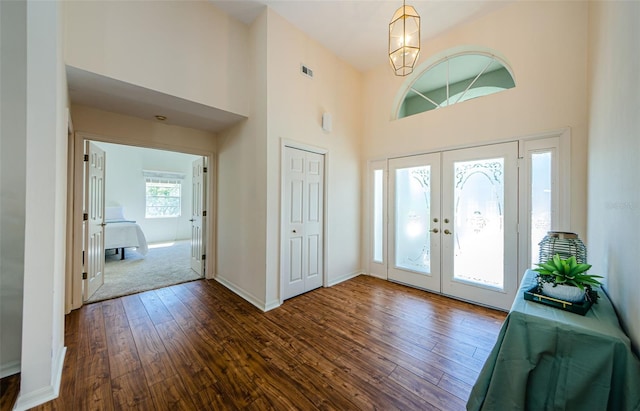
x,y
192,220
294,231
435,231
103,224
446,231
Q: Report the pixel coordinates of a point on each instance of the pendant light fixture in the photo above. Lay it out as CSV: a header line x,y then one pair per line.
x,y
404,40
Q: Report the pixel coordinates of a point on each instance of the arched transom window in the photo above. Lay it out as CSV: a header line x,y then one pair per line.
x,y
455,79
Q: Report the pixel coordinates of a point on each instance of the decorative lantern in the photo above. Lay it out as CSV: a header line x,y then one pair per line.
x,y
564,244
404,40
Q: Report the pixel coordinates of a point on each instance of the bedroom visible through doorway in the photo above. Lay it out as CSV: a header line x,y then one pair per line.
x,y
152,203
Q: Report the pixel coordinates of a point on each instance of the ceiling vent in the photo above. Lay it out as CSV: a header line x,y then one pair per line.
x,y
306,71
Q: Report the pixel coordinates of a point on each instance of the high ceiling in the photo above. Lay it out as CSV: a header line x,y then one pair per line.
x,y
356,30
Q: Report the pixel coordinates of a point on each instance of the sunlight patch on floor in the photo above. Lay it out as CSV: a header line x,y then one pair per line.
x,y
161,245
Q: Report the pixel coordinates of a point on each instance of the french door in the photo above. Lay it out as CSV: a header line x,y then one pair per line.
x,y
453,223
198,215
414,237
94,220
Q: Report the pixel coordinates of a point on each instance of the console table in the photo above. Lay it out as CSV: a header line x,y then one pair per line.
x,y
549,359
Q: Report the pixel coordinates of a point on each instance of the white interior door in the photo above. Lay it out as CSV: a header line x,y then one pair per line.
x,y
480,240
198,216
453,223
302,230
414,251
94,221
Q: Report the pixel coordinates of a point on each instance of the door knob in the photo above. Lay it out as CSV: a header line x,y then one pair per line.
x,y
446,220
435,231
446,231
191,220
294,231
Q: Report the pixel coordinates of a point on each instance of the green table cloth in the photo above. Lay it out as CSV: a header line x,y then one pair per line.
x,y
549,359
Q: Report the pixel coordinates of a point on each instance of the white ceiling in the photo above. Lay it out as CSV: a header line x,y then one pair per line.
x,y
116,96
355,30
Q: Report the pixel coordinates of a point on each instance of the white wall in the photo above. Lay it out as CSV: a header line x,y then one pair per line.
x,y
614,149
45,211
242,185
187,49
125,186
545,44
295,105
13,94
287,105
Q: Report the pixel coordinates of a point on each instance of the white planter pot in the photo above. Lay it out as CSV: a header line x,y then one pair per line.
x,y
563,292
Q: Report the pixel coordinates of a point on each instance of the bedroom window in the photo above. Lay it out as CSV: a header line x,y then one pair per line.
x,y
163,197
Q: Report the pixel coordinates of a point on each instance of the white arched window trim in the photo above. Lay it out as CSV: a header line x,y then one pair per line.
x,y
436,59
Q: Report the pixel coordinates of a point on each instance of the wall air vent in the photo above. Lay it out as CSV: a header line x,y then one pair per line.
x,y
306,71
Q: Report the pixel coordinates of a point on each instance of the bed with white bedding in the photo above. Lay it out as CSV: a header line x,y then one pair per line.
x,y
120,233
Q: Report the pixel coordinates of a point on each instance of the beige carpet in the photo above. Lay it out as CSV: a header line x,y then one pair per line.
x,y
161,267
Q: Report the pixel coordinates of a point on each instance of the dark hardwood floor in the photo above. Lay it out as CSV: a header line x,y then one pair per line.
x,y
9,388
362,344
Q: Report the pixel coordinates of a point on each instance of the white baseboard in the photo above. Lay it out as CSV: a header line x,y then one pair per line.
x,y
9,368
261,305
242,293
29,400
271,305
382,277
343,278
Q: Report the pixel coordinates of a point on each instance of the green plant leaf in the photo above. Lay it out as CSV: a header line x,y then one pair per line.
x,y
567,271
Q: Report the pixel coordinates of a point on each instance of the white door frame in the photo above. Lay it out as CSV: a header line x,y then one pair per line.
x,y
313,149
563,221
198,195
73,299
376,268
94,225
558,141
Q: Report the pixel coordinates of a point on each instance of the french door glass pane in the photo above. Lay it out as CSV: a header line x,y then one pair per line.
x,y
378,218
478,222
413,212
540,200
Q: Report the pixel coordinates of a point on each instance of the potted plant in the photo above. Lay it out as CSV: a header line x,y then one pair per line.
x,y
566,279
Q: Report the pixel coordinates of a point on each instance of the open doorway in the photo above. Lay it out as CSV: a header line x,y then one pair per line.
x,y
149,198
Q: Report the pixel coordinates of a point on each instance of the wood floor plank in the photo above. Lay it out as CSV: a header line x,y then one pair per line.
x,y
134,307
123,354
235,382
171,394
185,358
9,389
434,395
156,363
178,310
325,395
211,398
131,392
456,387
433,364
365,344
91,334
155,308
93,386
